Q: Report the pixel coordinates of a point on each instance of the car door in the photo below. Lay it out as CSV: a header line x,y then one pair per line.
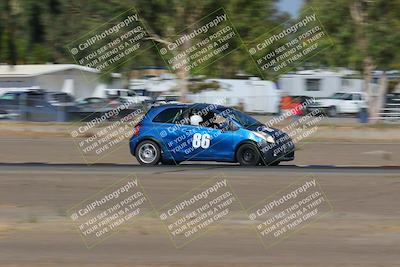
x,y
357,103
207,141
193,142
346,103
221,139
221,144
10,101
352,103
214,140
203,143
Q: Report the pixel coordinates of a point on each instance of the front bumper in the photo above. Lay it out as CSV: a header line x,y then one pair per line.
x,y
282,150
313,108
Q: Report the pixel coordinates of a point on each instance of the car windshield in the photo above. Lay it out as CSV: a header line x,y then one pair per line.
x,y
97,101
172,98
242,118
338,95
7,96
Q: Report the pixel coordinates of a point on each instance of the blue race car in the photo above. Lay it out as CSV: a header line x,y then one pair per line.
x,y
174,133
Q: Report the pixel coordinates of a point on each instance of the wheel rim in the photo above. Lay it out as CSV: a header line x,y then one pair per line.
x,y
147,153
248,155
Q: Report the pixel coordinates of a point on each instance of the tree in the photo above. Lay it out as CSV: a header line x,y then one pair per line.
x,y
366,34
42,29
9,17
169,19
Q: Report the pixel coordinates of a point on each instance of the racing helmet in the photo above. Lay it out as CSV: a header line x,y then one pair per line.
x,y
195,120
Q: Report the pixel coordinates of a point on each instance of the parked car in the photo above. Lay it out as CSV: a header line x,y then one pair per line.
x,y
60,99
174,133
45,104
93,104
391,110
126,94
341,103
166,99
3,114
9,104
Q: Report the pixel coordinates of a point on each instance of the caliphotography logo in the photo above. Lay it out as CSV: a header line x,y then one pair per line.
x,y
112,44
200,210
288,211
201,44
104,214
286,46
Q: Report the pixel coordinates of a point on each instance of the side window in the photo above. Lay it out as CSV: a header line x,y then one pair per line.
x,y
220,122
8,96
171,115
347,97
213,120
313,85
356,97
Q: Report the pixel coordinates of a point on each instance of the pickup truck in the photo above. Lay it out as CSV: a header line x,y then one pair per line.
x,y
341,103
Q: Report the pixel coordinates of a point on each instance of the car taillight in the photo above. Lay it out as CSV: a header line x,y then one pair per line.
x,y
137,130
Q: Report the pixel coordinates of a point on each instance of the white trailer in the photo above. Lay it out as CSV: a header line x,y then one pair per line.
x,y
319,83
256,96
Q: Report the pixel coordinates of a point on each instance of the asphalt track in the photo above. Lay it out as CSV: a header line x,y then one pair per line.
x,y
190,167
41,179
362,229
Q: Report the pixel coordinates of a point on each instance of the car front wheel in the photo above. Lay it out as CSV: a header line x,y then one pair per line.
x,y
148,153
248,155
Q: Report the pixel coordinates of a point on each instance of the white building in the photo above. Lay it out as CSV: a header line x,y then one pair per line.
x,y
74,79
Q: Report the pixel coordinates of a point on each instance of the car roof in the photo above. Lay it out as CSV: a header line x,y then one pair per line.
x,y
344,92
154,111
55,93
183,105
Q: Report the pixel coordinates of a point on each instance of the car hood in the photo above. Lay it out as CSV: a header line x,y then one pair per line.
x,y
329,100
325,102
268,130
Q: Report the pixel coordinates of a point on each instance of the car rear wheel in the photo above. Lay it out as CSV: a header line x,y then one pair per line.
x,y
148,153
248,155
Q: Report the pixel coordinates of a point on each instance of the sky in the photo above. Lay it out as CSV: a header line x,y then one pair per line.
x,y
290,6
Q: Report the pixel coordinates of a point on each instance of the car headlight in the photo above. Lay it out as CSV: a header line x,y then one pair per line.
x,y
266,137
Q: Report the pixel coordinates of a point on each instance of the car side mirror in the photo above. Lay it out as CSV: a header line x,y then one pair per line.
x,y
232,126
226,127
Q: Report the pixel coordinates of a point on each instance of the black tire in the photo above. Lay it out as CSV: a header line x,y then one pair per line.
x,y
248,155
148,153
332,111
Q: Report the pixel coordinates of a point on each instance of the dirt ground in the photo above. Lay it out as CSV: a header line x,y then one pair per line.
x,y
362,230
62,150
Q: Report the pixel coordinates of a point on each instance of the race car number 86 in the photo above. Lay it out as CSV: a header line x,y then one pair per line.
x,y
201,140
